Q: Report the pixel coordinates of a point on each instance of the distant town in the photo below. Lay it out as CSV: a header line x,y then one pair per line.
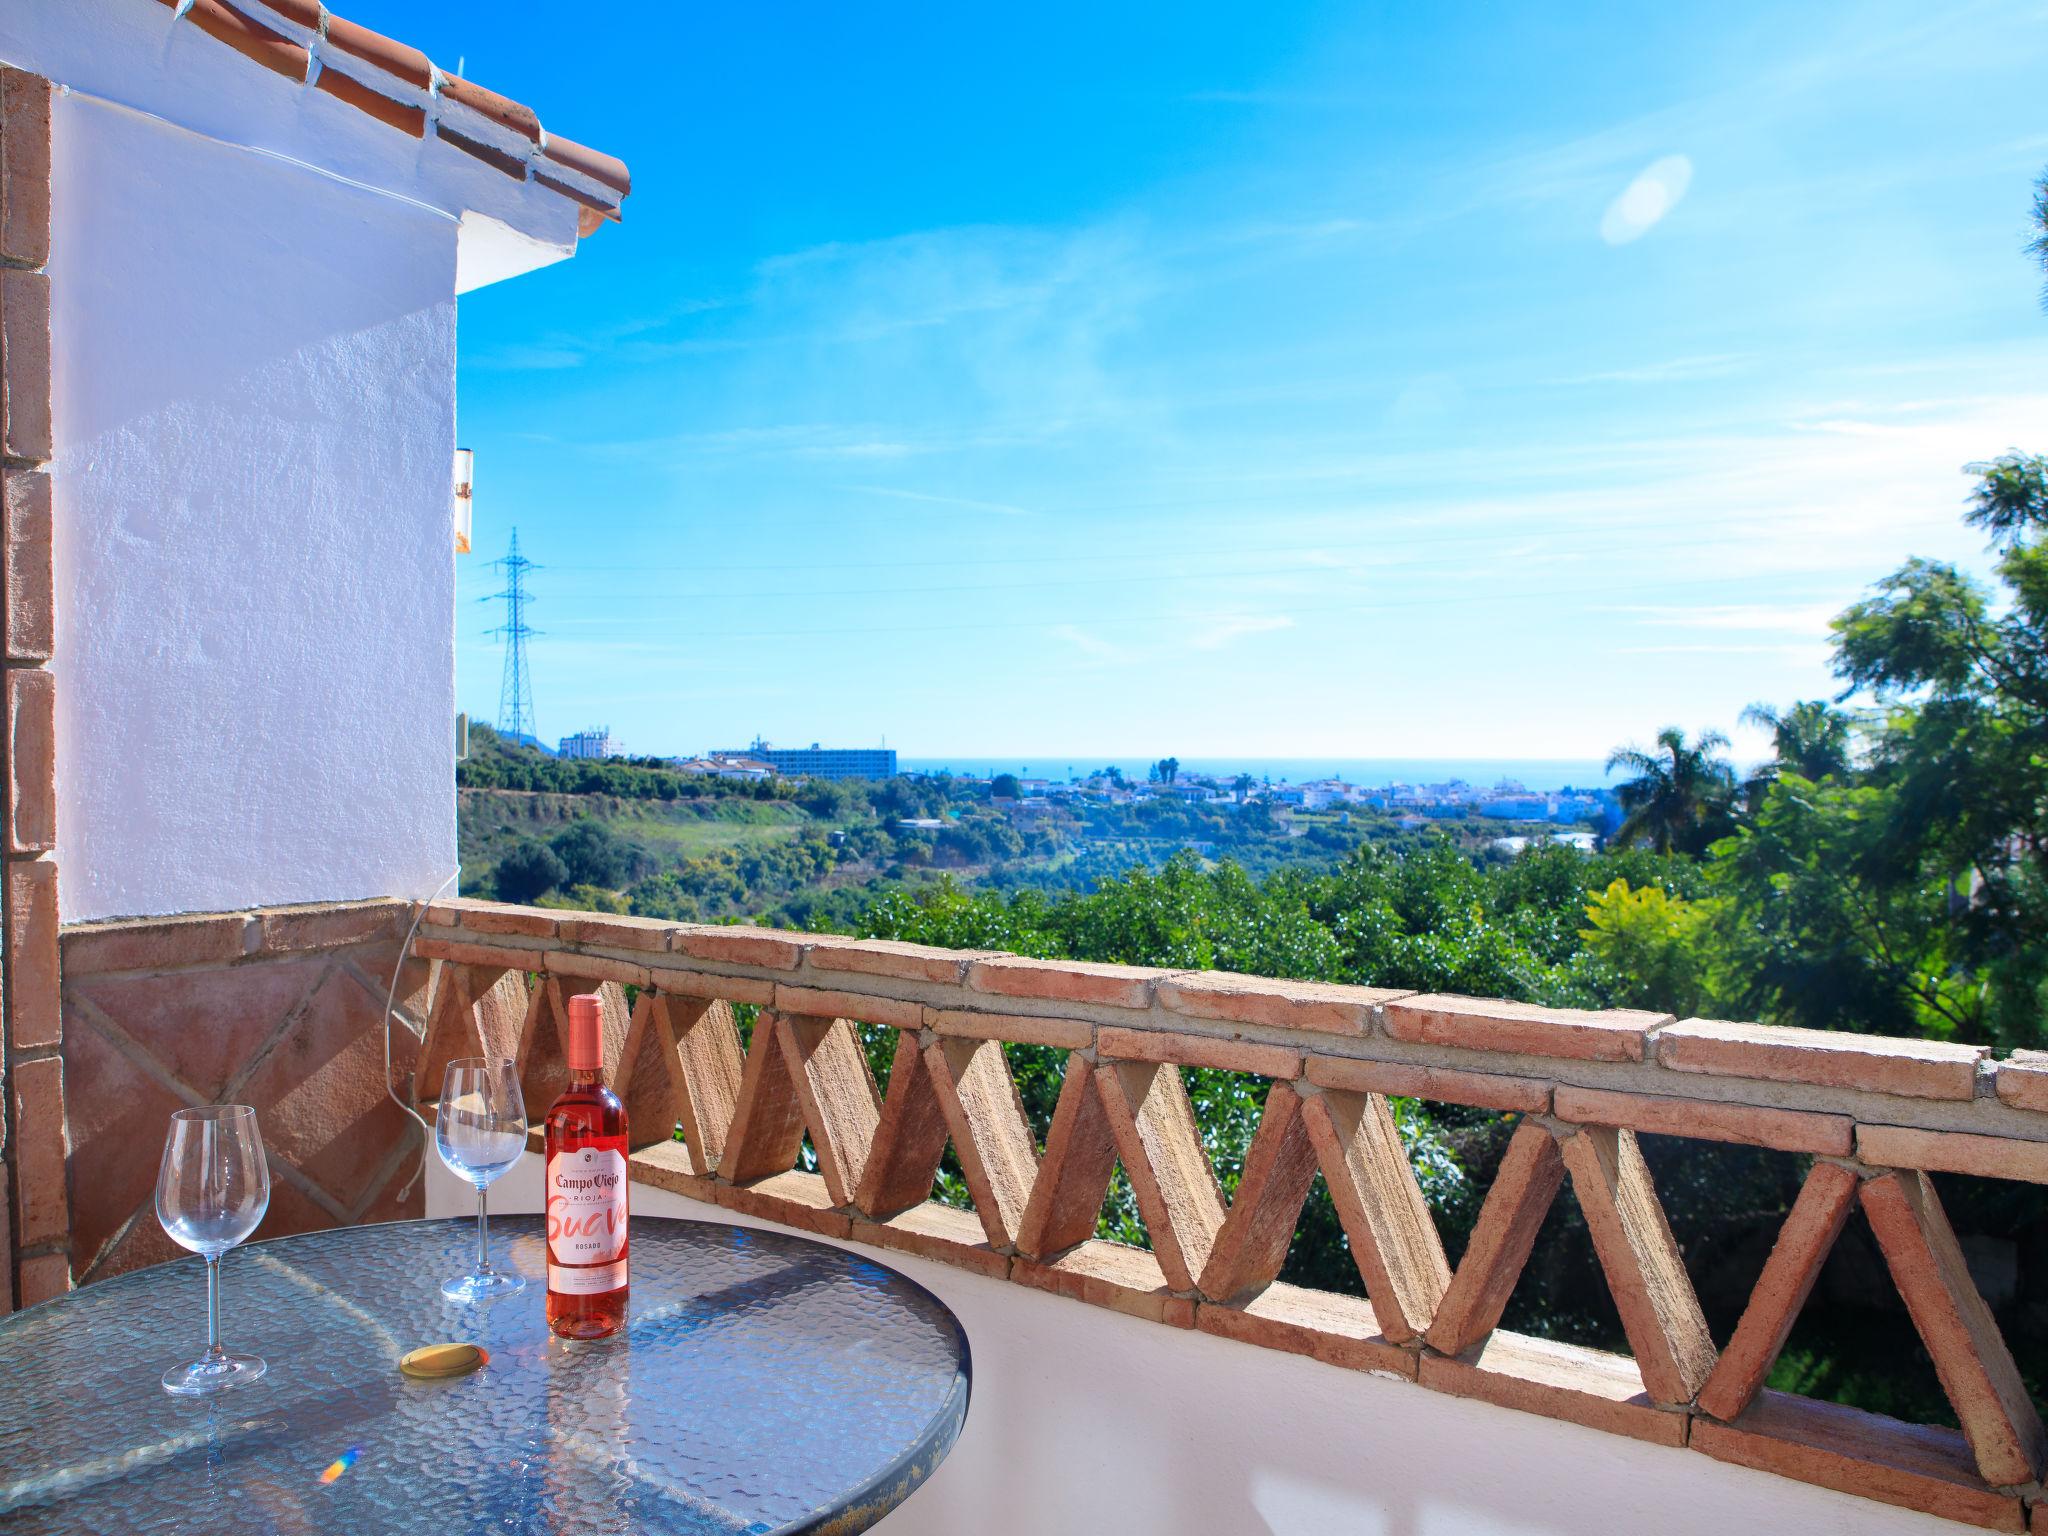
x,y
1593,810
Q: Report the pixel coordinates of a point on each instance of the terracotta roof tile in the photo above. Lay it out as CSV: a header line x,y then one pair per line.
x,y
364,98
399,86
502,110
249,38
394,58
591,162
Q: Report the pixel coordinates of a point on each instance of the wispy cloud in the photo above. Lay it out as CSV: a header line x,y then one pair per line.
x,y
1675,370
1215,634
966,503
1091,646
1643,204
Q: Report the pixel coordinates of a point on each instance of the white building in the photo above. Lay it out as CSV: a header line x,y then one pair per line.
x,y
259,230
595,742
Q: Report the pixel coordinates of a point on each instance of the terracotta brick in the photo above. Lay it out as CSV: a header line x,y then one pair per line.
x,y
836,1092
1984,1157
579,968
792,1199
860,1007
2023,1080
1073,1176
203,1027
700,984
394,58
1921,1069
992,1139
1640,1258
1065,981
44,1277
1524,1187
1803,1244
1522,1029
1325,1007
480,954
31,760
615,932
319,1093
1109,1275
1393,1237
1279,1166
24,167
26,582
330,925
910,1139
1275,1061
1017,1028
1913,1466
741,946
887,957
1160,1144
42,1208
496,917
669,1165
1962,1337
1786,1130
110,1097
1337,1330
1448,1085
708,1051
1557,1381
933,1231
768,1121
33,1016
24,364
406,117
249,38
649,1080
153,944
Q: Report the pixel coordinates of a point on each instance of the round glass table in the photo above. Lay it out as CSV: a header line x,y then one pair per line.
x,y
764,1383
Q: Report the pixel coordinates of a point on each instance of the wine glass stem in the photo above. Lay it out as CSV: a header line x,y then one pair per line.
x,y
483,1233
213,1349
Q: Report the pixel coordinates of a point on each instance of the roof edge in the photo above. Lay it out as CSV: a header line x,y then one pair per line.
x,y
400,87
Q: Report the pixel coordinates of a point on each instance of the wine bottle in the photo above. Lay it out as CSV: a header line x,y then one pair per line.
x,y
587,1188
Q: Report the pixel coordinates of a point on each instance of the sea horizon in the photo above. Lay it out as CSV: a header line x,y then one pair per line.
x,y
1530,772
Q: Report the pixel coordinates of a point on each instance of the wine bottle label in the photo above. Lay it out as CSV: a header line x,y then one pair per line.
x,y
587,1216
597,1280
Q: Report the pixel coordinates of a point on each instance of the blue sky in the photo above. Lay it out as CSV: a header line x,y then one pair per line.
x,y
1362,380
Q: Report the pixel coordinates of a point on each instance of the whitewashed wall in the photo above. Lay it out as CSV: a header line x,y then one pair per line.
x,y
1083,1420
254,365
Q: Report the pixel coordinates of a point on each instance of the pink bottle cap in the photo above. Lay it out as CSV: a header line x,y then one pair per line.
x,y
585,1045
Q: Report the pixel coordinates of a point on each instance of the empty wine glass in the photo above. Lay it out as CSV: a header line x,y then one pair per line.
x,y
212,1189
481,1130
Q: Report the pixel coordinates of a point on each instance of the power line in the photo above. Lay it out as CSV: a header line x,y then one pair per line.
x,y
515,690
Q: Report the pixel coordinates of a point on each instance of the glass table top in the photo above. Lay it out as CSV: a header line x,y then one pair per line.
x,y
763,1383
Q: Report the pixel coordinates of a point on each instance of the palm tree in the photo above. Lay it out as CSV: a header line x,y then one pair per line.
x,y
2038,246
1679,800
1811,739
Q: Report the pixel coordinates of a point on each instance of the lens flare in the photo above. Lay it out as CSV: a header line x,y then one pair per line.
x,y
341,1464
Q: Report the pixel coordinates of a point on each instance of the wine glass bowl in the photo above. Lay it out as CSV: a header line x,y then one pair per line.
x,y
480,1130
212,1189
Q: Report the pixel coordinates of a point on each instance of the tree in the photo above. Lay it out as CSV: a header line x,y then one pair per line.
x,y
592,854
1005,786
2038,246
528,871
1813,739
1243,785
1169,769
1680,799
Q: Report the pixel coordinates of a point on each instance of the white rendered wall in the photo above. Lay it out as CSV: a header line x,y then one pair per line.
x,y
254,371
1083,1420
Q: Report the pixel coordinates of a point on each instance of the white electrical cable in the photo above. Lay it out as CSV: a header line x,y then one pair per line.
x,y
257,149
391,1012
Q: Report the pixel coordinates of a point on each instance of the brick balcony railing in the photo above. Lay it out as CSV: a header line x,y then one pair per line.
x,y
1875,1115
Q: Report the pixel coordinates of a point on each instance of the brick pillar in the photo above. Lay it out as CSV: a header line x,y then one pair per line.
x,y
36,1208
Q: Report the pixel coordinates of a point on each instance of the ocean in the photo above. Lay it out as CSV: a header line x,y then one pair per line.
x,y
1371,772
